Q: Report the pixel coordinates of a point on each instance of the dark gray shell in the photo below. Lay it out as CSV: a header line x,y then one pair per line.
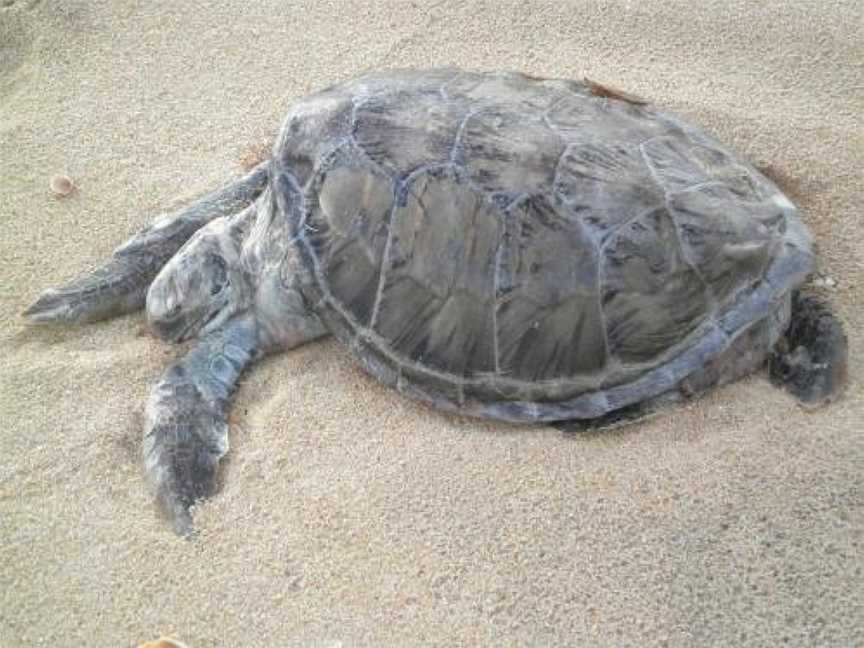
x,y
523,249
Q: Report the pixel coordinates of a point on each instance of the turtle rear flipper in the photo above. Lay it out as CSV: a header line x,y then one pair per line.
x,y
120,285
810,361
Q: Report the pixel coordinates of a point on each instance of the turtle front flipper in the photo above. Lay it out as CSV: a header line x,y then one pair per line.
x,y
120,285
186,429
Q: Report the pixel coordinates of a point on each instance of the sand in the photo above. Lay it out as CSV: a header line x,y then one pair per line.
x,y
350,516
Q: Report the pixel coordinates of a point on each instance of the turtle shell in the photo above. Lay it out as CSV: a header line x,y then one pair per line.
x,y
522,248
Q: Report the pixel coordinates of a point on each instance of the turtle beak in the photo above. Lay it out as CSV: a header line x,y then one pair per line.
x,y
165,315
187,296
172,329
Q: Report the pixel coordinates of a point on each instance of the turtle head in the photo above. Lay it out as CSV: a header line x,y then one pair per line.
x,y
200,288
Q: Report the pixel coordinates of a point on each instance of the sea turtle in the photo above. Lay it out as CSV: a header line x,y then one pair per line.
x,y
494,244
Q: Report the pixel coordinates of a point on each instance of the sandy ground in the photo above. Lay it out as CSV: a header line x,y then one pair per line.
x,y
349,516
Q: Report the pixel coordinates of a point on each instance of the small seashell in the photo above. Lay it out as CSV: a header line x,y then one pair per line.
x,y
62,186
164,642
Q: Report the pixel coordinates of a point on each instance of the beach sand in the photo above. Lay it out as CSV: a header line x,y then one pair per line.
x,y
348,515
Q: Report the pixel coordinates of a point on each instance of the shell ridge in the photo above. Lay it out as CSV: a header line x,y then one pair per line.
x,y
457,140
496,287
685,256
385,258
